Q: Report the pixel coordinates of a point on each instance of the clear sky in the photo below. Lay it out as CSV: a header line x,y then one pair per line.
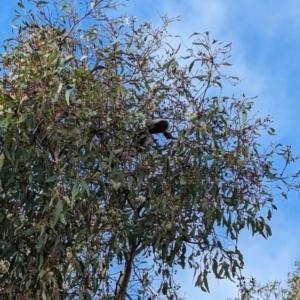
x,y
266,49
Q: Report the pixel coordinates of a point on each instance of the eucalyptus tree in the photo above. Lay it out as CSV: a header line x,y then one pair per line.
x,y
87,211
251,289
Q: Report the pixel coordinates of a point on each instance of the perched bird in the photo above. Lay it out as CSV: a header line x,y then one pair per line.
x,y
157,126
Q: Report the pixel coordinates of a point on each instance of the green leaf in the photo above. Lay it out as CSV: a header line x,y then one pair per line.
x,y
52,57
44,296
165,288
191,66
1,160
16,18
86,187
53,178
271,131
193,34
75,190
28,284
59,88
168,64
39,3
182,181
20,3
57,212
67,97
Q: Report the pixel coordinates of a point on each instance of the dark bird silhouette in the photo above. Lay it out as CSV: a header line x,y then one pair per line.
x,y
157,126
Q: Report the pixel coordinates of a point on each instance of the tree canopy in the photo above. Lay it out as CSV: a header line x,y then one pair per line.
x,y
251,289
86,211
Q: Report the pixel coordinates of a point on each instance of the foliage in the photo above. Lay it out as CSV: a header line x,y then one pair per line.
x,y
253,290
86,213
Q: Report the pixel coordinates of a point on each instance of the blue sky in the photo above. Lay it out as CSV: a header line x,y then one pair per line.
x,y
266,49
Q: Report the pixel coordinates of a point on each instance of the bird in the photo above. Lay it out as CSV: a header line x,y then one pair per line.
x,y
156,126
